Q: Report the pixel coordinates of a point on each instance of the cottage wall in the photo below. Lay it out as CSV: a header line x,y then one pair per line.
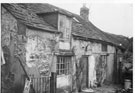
x,y
110,63
12,71
39,51
95,49
40,47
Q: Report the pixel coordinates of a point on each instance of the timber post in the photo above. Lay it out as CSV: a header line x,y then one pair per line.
x,y
53,78
53,82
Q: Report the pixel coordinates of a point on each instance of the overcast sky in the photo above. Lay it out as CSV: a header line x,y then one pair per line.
x,y
114,18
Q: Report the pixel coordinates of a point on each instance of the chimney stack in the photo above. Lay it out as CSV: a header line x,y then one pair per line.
x,y
84,12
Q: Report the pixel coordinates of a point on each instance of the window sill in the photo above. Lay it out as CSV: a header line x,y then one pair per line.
x,y
63,75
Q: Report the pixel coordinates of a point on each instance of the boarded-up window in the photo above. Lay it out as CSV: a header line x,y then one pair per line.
x,y
65,27
63,63
104,47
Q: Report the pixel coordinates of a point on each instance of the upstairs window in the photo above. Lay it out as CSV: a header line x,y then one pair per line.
x,y
104,47
64,27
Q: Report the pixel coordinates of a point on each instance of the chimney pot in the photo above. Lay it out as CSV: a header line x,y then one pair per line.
x,y
84,12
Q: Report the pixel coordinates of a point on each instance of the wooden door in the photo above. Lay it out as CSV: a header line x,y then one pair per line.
x,y
85,72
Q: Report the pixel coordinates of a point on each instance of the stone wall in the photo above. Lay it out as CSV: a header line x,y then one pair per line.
x,y
12,72
39,51
94,49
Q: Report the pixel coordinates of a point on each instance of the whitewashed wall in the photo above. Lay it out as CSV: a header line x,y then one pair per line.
x,y
110,67
80,47
38,46
111,49
95,49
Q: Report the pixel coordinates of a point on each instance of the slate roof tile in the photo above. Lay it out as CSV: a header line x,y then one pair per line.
x,y
27,17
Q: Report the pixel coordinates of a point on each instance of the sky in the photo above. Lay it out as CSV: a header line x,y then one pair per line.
x,y
116,18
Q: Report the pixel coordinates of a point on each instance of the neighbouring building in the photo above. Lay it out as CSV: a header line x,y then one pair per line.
x,y
55,42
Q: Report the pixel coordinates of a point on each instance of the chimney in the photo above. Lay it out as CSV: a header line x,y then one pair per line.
x,y
84,12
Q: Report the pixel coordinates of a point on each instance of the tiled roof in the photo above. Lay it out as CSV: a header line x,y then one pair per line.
x,y
80,27
27,17
39,8
122,40
86,29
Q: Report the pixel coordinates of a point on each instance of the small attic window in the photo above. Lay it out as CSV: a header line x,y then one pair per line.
x,y
76,20
104,47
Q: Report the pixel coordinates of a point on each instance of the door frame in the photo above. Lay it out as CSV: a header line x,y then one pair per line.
x,y
87,69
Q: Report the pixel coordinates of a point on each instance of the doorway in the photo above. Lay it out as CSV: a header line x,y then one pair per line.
x,y
85,72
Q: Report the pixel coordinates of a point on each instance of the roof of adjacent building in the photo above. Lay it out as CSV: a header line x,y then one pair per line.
x,y
80,27
88,30
28,17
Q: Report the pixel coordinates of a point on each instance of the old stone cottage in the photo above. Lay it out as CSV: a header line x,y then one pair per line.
x,y
55,42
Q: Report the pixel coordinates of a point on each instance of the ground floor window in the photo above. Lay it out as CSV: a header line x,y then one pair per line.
x,y
104,60
63,65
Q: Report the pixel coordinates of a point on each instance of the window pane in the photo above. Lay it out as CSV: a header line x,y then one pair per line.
x,y
63,65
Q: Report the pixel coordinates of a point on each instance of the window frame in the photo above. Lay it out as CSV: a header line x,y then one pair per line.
x,y
63,65
104,61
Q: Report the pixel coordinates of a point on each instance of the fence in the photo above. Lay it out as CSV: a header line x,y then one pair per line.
x,y
41,84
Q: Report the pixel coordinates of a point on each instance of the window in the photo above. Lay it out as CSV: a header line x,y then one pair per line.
x,y
104,47
63,63
65,27
104,60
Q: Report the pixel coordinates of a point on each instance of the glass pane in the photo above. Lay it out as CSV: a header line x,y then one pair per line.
x,y
63,64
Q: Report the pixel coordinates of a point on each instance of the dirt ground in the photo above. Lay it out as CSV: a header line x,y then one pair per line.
x,y
107,89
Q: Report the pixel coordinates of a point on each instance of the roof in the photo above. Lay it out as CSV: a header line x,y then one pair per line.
x,y
86,29
80,27
39,8
27,17
122,40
